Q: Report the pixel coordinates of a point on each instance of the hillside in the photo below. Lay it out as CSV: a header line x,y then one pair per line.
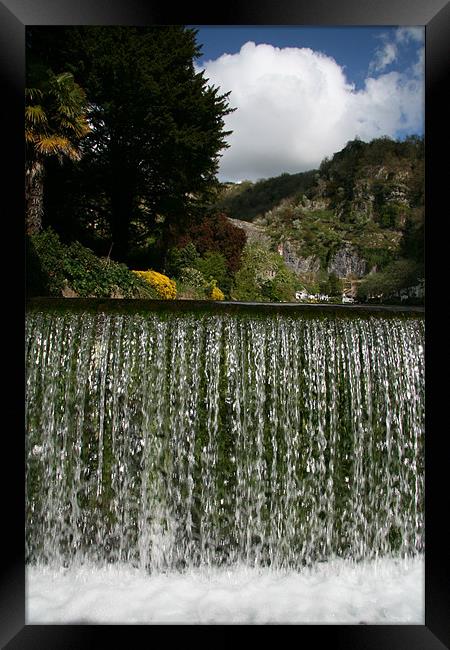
x,y
359,217
247,200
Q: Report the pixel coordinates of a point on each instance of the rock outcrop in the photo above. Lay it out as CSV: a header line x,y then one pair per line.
x,y
298,263
254,232
346,261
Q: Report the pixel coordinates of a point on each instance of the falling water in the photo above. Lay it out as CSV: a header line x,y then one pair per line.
x,y
177,440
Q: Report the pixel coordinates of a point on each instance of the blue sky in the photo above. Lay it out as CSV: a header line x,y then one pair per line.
x,y
302,92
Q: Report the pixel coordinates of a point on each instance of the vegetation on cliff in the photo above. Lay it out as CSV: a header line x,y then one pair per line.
x,y
367,201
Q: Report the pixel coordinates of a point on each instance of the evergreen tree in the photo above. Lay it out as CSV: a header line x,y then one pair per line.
x,y
157,126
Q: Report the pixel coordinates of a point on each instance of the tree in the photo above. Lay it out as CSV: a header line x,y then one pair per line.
x,y
399,274
215,232
181,258
157,126
213,266
282,287
335,285
55,123
263,276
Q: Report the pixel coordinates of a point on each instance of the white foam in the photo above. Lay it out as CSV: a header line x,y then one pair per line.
x,y
386,591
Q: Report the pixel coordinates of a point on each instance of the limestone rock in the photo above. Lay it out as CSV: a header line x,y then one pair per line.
x,y
347,261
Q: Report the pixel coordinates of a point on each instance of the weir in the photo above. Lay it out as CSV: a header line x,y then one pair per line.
x,y
170,436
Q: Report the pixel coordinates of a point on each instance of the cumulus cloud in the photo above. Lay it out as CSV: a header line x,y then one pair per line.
x,y
295,106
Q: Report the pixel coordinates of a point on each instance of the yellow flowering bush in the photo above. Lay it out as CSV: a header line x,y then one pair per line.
x,y
165,288
217,294
213,291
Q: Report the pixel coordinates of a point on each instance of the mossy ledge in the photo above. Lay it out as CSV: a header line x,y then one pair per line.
x,y
134,306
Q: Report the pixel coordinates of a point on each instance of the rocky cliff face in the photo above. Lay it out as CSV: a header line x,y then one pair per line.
x,y
363,209
298,263
347,261
254,232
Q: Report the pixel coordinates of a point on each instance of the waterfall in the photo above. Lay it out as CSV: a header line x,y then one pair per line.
x,y
175,440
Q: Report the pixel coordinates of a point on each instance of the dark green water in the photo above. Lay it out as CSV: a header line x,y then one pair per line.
x,y
172,439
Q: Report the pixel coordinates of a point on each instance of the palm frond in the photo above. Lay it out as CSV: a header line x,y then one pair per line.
x,y
56,123
34,93
63,78
35,114
30,136
56,145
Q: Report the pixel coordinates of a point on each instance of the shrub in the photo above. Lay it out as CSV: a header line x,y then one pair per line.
x,y
264,276
180,258
214,293
75,267
213,266
335,285
217,294
192,277
246,286
165,288
397,275
188,292
283,286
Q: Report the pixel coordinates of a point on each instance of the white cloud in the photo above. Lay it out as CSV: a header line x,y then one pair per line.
x,y
295,106
392,42
418,69
406,34
384,57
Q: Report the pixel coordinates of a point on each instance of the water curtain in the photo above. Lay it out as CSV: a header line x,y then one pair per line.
x,y
172,440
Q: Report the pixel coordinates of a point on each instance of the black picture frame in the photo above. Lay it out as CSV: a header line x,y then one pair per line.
x,y
15,15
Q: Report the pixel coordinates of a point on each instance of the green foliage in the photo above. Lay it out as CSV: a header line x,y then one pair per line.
x,y
359,160
195,271
413,240
334,285
322,282
192,277
75,267
390,214
214,292
246,288
399,274
264,276
213,266
282,287
190,292
181,258
248,200
317,232
55,114
377,257
55,123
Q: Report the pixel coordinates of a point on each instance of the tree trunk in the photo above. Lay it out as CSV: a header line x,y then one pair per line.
x,y
34,196
121,212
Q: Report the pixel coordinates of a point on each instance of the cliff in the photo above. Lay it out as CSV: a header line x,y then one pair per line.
x,y
361,213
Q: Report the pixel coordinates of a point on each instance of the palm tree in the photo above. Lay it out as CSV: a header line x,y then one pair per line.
x,y
55,123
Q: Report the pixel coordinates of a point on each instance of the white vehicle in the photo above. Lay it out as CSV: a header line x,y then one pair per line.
x,y
347,298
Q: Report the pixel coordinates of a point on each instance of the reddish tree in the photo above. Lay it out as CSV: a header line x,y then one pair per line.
x,y
216,233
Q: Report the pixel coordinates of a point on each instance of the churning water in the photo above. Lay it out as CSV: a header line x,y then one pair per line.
x,y
179,441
